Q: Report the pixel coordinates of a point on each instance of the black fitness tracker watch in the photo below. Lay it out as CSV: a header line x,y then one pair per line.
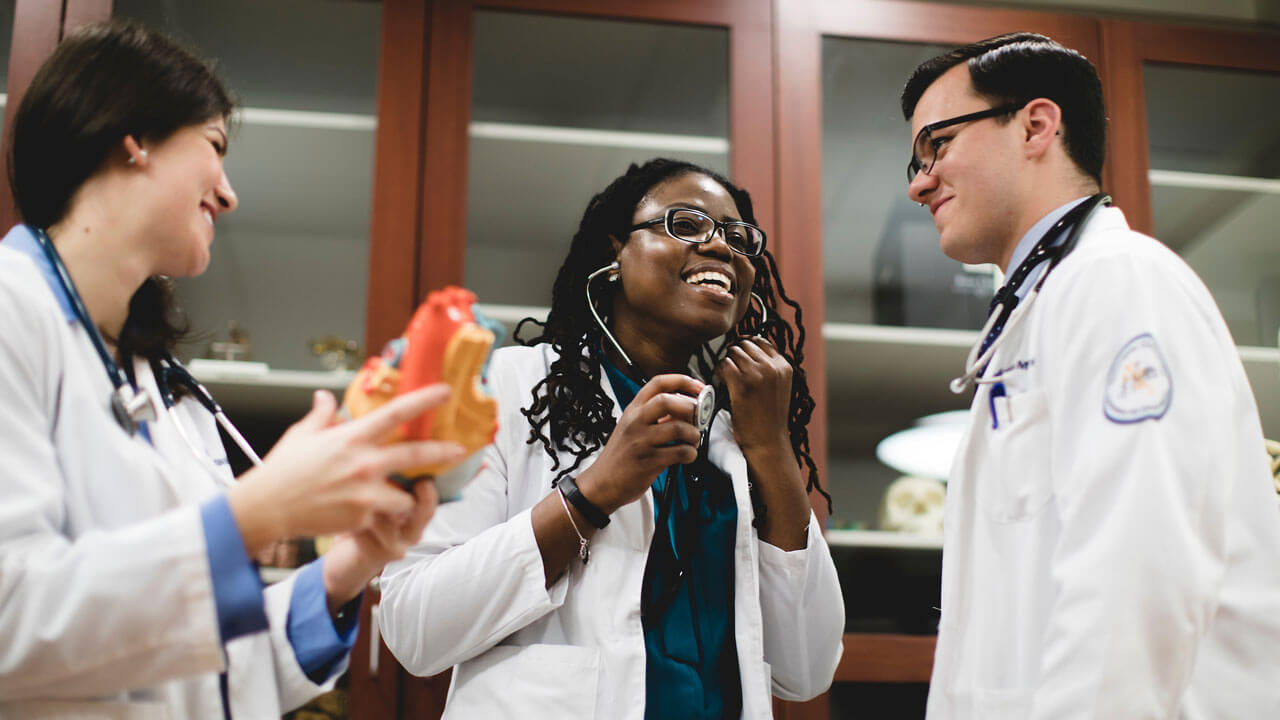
x,y
593,514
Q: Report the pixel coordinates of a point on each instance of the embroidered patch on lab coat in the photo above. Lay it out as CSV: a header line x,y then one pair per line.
x,y
1139,386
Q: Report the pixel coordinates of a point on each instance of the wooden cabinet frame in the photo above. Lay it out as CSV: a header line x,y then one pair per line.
x,y
420,202
1127,46
38,26
801,25
418,233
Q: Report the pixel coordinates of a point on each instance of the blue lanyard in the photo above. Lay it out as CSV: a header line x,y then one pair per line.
x,y
130,407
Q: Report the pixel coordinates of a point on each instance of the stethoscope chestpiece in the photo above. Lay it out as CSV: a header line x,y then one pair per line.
x,y
131,408
705,409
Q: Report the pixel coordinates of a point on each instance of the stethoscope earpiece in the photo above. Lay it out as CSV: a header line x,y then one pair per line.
x,y
591,305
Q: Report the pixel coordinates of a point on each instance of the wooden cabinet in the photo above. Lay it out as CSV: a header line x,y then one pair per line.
x,y
466,135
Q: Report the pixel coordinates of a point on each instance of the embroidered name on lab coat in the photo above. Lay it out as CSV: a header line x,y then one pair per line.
x,y
1139,386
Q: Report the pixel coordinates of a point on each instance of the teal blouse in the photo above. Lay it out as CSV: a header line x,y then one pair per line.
x,y
687,607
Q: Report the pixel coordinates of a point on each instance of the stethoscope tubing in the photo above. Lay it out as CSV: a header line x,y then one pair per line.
x,y
976,362
167,371
130,405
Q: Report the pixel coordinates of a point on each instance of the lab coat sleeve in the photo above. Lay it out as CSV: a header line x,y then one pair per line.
x,y
237,588
130,607
318,642
477,575
1141,504
470,583
803,615
292,684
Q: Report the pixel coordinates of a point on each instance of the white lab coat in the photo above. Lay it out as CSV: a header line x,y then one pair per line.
x,y
473,593
106,598
1096,568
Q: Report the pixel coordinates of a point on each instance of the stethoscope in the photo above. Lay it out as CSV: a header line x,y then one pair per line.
x,y
704,415
705,409
130,406
1008,312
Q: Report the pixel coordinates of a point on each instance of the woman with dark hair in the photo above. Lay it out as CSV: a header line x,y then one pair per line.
x,y
126,585
628,549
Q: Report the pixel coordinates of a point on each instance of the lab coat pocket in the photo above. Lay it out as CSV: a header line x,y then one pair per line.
x,y
533,681
1019,484
1002,704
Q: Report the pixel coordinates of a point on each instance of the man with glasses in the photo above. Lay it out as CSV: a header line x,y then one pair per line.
x,y
1112,539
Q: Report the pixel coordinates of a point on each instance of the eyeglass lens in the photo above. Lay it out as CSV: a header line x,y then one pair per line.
x,y
924,150
693,226
923,154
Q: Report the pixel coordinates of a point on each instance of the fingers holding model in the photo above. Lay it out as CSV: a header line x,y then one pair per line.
x,y
323,478
356,557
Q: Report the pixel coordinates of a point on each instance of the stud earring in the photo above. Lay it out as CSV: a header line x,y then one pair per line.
x,y
133,159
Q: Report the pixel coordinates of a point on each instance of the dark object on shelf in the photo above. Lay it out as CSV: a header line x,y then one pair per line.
x,y
917,286
889,590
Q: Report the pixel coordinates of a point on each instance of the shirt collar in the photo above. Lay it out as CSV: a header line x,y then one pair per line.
x,y
23,239
1033,236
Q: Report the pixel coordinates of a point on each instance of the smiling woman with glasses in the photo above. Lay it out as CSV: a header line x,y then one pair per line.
x,y
638,551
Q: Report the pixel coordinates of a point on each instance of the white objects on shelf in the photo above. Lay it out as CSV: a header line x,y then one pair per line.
x,y
913,505
927,449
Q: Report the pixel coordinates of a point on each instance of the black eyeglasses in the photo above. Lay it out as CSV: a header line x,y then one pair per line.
x,y
924,151
693,226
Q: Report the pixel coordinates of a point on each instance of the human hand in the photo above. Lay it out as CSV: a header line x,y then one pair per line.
x,y
323,478
655,432
758,378
355,558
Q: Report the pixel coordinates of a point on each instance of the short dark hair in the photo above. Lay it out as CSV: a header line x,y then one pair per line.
x,y
101,83
1017,68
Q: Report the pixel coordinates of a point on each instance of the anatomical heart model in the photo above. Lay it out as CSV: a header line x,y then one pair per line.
x,y
446,342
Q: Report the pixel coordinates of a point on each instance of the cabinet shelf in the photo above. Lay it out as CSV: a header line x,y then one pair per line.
x,y
598,138
308,119
279,393
554,134
1211,181
882,539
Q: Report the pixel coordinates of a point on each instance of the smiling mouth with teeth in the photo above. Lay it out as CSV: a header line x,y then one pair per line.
x,y
712,279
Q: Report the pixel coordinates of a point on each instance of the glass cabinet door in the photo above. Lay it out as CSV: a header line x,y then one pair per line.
x,y
560,107
289,266
881,261
1215,186
1215,200
882,267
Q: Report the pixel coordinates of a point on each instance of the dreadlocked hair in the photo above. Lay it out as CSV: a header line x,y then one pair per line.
x,y
570,411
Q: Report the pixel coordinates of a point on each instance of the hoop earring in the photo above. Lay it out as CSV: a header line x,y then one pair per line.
x,y
611,267
764,313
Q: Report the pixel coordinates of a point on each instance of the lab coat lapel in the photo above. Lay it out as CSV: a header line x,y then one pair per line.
x,y
633,524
